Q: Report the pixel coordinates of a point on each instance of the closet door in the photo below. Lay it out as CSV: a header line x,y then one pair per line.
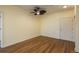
x,y
66,28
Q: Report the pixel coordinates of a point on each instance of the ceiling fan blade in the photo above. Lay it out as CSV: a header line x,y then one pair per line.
x,y
35,10
35,14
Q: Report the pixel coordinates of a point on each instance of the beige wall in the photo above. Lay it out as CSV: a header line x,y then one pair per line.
x,y
77,29
18,25
50,23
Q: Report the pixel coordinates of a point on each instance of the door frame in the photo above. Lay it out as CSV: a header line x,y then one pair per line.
x,y
1,15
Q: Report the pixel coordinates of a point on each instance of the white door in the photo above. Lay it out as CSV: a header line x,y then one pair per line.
x,y
1,40
66,28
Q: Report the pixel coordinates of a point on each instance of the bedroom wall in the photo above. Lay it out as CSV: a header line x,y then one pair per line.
x,y
50,23
18,25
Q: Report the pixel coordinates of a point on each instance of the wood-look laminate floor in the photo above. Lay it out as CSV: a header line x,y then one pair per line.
x,y
41,44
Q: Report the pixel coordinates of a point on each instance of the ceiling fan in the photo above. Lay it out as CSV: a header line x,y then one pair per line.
x,y
38,11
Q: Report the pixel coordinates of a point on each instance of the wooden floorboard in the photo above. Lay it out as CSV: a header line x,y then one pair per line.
x,y
41,44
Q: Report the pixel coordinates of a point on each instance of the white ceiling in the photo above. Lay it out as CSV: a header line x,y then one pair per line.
x,y
48,8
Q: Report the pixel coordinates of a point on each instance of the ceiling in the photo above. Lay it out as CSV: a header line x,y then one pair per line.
x,y
48,8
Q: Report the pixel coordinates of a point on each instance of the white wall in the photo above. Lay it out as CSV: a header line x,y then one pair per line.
x,y
18,25
77,29
50,23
